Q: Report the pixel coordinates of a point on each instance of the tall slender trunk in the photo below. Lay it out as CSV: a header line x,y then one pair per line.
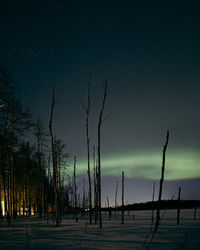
x,y
55,179
12,163
122,197
161,183
83,203
75,191
87,111
99,153
116,199
95,187
94,177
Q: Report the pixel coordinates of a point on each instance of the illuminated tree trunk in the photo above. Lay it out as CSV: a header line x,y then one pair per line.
x,y
99,154
0,203
161,183
3,179
12,129
8,174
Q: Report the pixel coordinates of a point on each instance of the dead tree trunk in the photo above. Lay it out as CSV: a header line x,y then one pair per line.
x,y
55,174
179,206
87,111
161,183
152,213
99,154
122,197
116,199
75,191
83,202
11,155
95,187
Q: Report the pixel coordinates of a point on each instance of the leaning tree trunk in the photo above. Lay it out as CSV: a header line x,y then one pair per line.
x,y
55,174
161,183
99,154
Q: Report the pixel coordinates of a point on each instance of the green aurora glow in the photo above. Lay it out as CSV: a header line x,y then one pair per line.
x,y
180,164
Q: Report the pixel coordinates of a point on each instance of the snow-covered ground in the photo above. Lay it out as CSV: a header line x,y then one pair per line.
x,y
34,233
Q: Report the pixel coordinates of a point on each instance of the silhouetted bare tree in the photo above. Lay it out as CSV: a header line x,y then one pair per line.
x,y
55,170
122,197
99,153
75,191
161,183
87,111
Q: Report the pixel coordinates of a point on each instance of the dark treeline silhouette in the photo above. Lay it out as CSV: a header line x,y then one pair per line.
x,y
164,204
26,183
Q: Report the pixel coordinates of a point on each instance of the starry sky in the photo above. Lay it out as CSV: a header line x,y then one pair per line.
x,y
147,50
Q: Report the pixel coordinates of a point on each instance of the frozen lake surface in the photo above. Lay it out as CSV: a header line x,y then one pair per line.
x,y
33,233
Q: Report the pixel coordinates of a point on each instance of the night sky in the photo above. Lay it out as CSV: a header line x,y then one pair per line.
x,y
149,51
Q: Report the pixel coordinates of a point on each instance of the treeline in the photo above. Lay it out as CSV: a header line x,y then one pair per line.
x,y
164,204
26,181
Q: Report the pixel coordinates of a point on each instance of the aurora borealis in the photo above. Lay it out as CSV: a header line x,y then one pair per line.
x,y
180,164
147,50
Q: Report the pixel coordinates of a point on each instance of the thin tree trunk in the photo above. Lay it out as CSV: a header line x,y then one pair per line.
x,y
99,154
94,176
122,197
179,206
161,183
116,199
55,179
75,191
87,111
95,187
109,209
83,203
12,163
152,213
